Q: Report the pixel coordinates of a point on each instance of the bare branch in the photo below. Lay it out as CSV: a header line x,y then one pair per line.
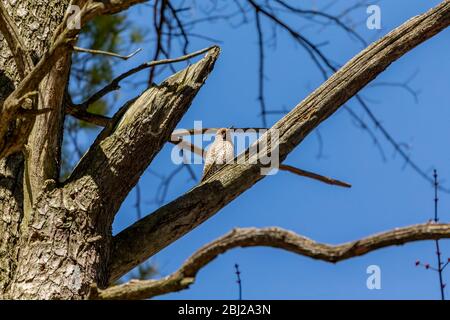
x,y
184,132
261,69
185,145
62,43
114,84
151,234
15,43
159,26
180,26
276,238
182,144
136,133
107,53
314,176
323,63
87,116
330,17
97,8
9,108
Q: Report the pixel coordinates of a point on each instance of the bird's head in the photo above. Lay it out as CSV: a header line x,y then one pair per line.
x,y
223,133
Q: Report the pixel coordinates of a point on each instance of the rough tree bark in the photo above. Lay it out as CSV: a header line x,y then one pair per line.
x,y
56,240
35,21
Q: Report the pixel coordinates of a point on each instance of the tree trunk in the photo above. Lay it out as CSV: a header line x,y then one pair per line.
x,y
56,236
48,262
65,248
56,240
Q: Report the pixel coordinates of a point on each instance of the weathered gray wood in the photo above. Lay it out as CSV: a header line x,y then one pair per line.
x,y
270,237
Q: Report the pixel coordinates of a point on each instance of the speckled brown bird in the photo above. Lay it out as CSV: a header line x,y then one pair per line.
x,y
219,153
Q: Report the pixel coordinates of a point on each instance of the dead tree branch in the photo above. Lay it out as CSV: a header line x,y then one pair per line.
x,y
107,53
185,145
115,83
141,240
314,176
15,43
274,238
62,43
137,132
324,64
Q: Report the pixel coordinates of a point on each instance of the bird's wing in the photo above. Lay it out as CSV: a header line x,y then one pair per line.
x,y
229,152
210,160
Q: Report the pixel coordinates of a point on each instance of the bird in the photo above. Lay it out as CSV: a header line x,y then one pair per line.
x,y
220,152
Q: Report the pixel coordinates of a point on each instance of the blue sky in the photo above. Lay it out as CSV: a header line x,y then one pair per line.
x,y
385,194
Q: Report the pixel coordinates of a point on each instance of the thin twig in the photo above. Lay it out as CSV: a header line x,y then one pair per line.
x,y
314,176
261,71
187,132
107,53
438,250
84,115
440,266
159,26
320,58
137,204
114,84
335,19
180,26
397,147
185,145
239,281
